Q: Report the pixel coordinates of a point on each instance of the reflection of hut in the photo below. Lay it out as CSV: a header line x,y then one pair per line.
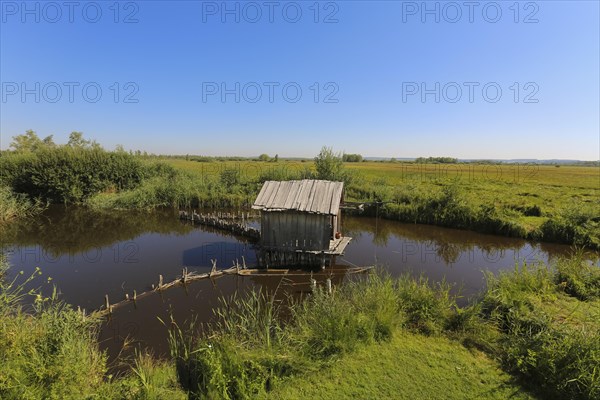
x,y
300,222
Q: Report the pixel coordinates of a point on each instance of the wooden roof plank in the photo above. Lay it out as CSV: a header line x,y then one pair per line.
x,y
308,195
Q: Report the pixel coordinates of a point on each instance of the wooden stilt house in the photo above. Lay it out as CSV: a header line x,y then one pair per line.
x,y
300,222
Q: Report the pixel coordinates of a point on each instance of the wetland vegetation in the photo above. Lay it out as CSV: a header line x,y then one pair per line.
x,y
532,332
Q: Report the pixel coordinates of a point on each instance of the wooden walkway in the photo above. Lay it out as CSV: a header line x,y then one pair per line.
x,y
226,221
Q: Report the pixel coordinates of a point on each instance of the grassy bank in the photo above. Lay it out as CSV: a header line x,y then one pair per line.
x,y
407,367
533,333
539,324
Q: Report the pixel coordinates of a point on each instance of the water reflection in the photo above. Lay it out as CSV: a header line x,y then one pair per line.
x,y
89,254
71,230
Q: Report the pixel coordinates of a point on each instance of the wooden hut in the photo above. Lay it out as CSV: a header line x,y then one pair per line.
x,y
300,222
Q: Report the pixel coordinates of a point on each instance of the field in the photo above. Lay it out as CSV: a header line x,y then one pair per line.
x,y
551,188
539,202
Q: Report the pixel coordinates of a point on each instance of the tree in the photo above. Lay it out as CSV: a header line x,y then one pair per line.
x,y
330,165
27,142
76,140
352,158
48,141
264,157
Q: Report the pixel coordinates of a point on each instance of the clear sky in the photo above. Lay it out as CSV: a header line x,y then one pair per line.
x,y
380,78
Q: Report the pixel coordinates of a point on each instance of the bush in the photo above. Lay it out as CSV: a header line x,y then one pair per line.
x,y
70,175
330,166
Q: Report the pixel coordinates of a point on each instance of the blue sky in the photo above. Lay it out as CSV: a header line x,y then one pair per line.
x,y
380,78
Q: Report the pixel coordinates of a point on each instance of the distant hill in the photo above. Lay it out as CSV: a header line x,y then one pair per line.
x,y
553,161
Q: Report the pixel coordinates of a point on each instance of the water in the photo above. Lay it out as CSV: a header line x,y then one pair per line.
x,y
89,254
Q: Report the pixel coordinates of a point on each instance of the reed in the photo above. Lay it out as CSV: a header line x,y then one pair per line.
x,y
17,206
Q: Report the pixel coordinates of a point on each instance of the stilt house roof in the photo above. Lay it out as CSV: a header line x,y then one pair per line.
x,y
308,195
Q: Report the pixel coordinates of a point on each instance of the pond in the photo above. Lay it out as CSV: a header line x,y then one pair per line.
x,y
90,254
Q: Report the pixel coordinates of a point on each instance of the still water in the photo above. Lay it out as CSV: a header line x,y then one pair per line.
x,y
90,254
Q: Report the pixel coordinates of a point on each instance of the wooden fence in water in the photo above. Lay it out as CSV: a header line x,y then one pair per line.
x,y
230,222
186,277
236,269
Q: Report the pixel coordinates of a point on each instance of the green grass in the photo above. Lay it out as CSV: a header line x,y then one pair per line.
x,y
548,337
408,367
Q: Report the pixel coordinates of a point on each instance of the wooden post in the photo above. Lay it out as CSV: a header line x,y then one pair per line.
x,y
108,306
329,289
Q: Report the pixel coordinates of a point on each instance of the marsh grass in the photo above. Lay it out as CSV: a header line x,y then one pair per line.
x,y
49,350
257,341
259,344
577,277
17,206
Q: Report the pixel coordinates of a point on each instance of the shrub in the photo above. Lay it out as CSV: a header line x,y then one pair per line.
x,y
70,175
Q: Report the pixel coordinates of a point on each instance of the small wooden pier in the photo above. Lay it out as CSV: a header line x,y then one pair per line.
x,y
236,224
